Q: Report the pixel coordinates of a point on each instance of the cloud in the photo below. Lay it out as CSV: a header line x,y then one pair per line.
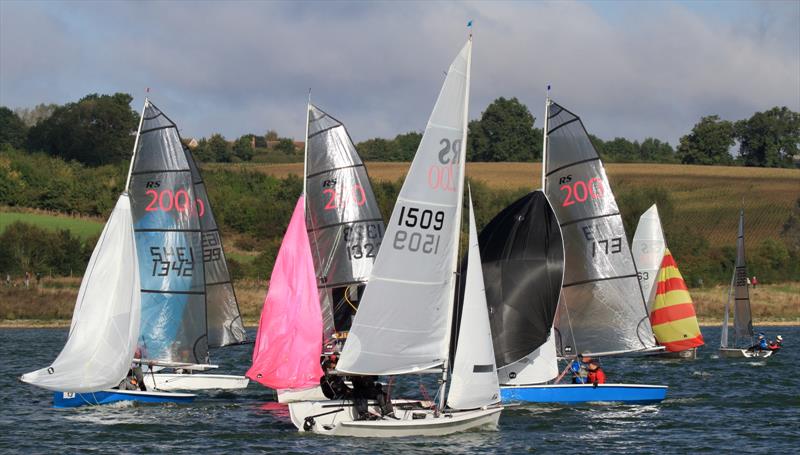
x,y
235,67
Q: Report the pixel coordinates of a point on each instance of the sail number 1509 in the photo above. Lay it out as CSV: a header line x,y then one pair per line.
x,y
413,217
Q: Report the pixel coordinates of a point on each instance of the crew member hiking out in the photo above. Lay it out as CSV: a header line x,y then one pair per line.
x,y
596,374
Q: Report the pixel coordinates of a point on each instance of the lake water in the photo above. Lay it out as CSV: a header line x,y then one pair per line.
x,y
714,405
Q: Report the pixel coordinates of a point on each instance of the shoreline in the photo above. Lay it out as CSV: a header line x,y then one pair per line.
x,y
64,323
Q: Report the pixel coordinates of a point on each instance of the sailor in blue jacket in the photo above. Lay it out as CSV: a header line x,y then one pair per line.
x,y
761,343
580,369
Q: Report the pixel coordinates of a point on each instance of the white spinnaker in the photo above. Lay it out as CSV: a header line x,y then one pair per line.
x,y
403,321
538,367
105,324
473,382
648,251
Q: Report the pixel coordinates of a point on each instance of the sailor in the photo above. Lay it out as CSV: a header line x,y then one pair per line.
x,y
596,374
761,343
580,370
368,388
333,385
777,344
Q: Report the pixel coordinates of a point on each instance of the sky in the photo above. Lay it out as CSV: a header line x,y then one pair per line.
x,y
630,69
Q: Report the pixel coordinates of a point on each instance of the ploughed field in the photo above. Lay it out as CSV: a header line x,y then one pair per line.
x,y
705,198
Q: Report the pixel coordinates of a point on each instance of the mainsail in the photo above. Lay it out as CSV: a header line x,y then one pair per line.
x,y
474,381
602,309
225,325
648,251
289,340
672,316
742,318
169,245
105,323
403,323
344,222
523,263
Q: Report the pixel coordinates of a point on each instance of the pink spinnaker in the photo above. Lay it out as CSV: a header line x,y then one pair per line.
x,y
289,339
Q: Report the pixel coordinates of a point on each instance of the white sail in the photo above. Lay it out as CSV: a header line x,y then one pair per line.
x,y
648,251
538,367
403,321
473,380
105,324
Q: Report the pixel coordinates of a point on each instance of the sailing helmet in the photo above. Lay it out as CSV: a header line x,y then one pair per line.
x,y
779,338
760,335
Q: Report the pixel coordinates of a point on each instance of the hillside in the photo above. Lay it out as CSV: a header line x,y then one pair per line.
x,y
705,198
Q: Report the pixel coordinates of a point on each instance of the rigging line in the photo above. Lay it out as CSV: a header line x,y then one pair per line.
x,y
346,299
576,119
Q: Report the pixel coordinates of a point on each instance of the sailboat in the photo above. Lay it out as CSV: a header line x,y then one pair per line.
x,y
105,324
600,310
404,321
188,303
739,290
345,230
671,309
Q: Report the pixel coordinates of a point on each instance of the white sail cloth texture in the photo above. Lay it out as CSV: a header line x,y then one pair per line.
x,y
105,323
402,324
537,367
601,309
344,222
473,382
648,251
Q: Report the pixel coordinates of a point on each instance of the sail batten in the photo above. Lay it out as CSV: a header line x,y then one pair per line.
x,y
602,308
169,238
420,245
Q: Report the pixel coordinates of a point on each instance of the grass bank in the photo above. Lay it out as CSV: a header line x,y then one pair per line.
x,y
51,303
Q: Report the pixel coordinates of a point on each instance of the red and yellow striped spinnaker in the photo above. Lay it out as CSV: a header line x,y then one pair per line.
x,y
672,316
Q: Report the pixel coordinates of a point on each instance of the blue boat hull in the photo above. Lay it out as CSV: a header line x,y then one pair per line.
x,y
73,400
584,393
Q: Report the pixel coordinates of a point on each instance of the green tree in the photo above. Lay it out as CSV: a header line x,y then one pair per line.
x,y
504,133
219,148
95,130
769,139
654,151
708,143
243,148
285,145
621,149
12,128
32,116
271,135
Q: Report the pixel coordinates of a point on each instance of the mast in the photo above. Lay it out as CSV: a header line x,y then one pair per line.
x,y
724,336
544,137
457,227
305,145
136,144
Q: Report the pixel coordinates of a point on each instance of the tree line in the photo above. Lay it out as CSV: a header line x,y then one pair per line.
x,y
253,210
99,129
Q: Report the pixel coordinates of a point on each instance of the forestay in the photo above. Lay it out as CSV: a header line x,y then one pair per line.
x,y
289,340
648,251
225,325
169,246
742,319
473,380
602,309
402,324
105,323
344,222
523,263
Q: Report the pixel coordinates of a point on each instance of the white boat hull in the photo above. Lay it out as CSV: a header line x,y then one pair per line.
x,y
291,396
743,353
195,381
413,418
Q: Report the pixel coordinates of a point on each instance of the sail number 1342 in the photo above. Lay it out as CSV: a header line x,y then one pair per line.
x,y
413,217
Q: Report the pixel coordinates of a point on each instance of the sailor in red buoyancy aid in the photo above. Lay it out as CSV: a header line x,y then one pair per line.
x,y
596,374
